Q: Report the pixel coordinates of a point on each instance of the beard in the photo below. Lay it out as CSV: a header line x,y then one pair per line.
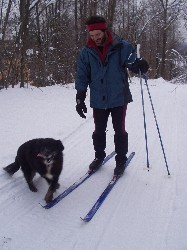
x,y
100,41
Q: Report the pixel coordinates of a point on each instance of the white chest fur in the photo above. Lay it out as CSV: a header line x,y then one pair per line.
x,y
48,175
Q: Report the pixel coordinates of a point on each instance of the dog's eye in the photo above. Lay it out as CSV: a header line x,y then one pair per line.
x,y
48,160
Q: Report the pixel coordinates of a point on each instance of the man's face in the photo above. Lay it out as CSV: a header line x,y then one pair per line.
x,y
98,36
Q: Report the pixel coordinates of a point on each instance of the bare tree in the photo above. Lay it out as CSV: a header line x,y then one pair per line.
x,y
111,12
40,42
6,19
24,24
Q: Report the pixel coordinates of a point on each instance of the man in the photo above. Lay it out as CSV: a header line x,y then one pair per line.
x,y
102,66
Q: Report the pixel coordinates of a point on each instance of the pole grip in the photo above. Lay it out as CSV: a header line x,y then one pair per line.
x,y
138,51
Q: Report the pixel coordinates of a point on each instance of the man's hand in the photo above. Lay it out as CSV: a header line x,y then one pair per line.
x,y
140,65
81,106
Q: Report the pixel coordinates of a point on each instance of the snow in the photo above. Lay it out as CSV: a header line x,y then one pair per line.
x,y
146,210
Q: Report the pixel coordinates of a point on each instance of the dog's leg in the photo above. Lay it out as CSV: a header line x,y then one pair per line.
x,y
29,175
50,182
52,188
31,185
49,196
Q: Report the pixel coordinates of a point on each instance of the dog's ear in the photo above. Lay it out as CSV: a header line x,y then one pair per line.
x,y
60,145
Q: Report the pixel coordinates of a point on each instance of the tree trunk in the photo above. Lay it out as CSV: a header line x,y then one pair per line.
x,y
24,22
111,13
6,19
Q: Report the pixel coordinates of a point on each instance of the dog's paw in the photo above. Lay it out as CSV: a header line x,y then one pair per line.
x,y
33,188
48,197
57,186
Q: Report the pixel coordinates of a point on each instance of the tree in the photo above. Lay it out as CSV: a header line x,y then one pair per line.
x,y
23,35
39,43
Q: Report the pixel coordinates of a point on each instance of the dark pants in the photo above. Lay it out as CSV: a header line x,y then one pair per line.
x,y
120,138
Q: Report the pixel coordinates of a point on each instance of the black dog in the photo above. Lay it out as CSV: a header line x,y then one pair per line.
x,y
43,156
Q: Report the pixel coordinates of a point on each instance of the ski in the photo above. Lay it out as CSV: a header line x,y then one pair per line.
x,y
76,184
105,193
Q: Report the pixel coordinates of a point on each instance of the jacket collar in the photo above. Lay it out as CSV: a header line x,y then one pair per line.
x,y
108,42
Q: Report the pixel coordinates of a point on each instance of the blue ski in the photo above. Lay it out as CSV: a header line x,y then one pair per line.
x,y
105,193
76,184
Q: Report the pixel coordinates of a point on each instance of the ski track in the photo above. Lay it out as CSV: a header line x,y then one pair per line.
x,y
137,203
142,208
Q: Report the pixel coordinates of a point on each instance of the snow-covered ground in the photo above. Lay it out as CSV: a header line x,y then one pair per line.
x,y
144,211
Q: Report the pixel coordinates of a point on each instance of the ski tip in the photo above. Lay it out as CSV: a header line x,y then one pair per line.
x,y
46,206
42,205
84,219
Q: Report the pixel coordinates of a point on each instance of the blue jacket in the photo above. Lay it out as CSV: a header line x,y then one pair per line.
x,y
108,81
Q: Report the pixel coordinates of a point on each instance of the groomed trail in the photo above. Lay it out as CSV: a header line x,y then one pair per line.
x,y
146,210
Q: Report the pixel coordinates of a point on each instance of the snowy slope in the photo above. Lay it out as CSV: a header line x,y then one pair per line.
x,y
145,211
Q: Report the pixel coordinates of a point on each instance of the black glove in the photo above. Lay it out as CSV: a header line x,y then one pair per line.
x,y
81,107
140,65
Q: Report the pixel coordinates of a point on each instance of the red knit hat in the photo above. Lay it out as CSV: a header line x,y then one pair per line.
x,y
96,23
96,26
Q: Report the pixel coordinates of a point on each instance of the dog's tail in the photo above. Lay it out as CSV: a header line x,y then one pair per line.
x,y
13,167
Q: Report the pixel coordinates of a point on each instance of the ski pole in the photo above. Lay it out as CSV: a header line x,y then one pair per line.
x,y
162,146
143,107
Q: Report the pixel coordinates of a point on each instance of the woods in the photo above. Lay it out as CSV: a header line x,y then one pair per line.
x,y
40,40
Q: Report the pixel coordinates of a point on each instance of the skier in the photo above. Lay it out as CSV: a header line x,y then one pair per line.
x,y
102,65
